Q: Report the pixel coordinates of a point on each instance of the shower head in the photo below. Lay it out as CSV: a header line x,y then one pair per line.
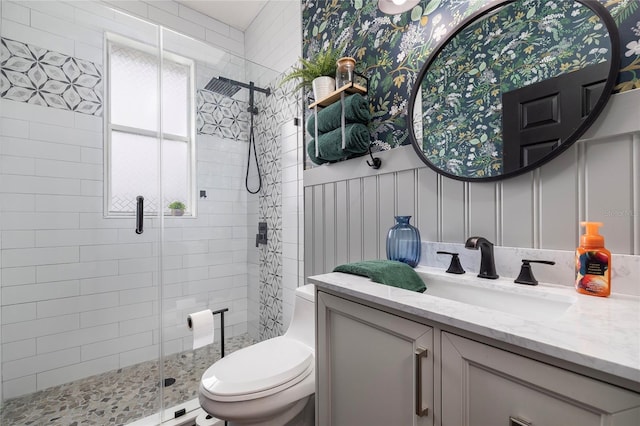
x,y
222,86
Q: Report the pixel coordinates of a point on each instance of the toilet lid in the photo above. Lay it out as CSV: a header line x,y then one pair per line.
x,y
258,368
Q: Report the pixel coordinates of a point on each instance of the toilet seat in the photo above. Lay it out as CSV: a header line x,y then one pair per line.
x,y
257,371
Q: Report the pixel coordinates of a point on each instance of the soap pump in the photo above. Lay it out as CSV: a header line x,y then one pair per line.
x,y
593,263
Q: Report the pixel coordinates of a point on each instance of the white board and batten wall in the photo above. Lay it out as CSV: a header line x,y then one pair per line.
x,y
349,207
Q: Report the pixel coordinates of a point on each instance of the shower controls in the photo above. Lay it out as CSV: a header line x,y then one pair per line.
x,y
261,236
227,87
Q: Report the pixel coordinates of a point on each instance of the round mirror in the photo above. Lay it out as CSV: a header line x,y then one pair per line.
x,y
515,85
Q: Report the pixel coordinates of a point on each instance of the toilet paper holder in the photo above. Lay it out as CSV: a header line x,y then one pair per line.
x,y
221,312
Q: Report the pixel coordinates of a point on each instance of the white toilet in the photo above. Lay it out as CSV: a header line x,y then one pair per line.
x,y
269,383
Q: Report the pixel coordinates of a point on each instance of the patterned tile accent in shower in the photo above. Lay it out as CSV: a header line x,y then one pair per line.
x,y
274,111
222,116
43,77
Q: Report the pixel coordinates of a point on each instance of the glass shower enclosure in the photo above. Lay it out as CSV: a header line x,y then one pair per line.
x,y
101,130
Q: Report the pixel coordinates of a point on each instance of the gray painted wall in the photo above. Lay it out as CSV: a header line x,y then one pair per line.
x,y
349,207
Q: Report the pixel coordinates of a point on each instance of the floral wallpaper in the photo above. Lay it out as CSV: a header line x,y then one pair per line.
x,y
391,49
462,92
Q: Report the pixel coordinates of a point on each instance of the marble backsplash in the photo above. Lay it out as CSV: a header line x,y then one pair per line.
x,y
625,275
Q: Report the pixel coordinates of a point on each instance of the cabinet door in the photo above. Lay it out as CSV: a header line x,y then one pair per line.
x,y
372,368
486,386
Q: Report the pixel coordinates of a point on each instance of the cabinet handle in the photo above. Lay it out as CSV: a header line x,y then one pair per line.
x,y
514,421
420,353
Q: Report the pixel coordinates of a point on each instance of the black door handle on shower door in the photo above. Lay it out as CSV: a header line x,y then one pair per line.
x,y
139,214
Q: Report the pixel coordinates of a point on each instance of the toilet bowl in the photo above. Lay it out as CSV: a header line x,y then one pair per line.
x,y
269,383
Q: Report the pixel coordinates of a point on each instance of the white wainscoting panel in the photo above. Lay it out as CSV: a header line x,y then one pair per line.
x,y
355,212
558,207
342,224
349,207
482,198
371,217
428,202
609,185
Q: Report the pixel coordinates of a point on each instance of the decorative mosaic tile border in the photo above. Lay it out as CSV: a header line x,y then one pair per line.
x,y
274,111
222,116
43,77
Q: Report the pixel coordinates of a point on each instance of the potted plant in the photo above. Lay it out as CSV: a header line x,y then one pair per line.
x,y
317,73
177,208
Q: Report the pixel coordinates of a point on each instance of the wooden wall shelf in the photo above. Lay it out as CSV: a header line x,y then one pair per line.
x,y
335,95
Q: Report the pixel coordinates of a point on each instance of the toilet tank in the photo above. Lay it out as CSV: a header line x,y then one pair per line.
x,y
302,326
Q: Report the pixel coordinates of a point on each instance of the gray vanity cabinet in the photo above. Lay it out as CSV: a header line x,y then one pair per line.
x,y
373,368
483,385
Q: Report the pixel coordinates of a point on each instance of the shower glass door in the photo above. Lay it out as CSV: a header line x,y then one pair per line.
x,y
102,129
209,257
81,127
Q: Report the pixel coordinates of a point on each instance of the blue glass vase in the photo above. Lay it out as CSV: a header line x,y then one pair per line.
x,y
403,242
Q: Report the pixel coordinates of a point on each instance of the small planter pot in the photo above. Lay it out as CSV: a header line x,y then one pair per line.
x,y
322,86
177,212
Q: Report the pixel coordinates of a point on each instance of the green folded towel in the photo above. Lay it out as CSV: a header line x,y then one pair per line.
x,y
389,272
311,152
357,140
356,110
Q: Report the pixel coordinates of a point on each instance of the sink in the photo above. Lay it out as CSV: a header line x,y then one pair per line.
x,y
500,295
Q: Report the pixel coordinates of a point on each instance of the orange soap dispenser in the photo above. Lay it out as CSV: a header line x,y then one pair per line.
x,y
593,263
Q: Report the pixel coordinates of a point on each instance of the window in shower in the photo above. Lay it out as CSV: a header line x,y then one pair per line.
x,y
136,130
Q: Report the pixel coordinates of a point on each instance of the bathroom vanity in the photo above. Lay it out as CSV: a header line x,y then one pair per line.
x,y
474,353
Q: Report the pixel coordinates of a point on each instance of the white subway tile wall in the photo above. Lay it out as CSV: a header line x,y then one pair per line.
x,y
79,292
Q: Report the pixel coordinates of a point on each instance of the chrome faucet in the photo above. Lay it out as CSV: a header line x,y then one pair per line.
x,y
487,263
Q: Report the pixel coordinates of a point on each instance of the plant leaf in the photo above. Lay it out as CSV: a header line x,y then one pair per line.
x,y
433,5
531,12
416,13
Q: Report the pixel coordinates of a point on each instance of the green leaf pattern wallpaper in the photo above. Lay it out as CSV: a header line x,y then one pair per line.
x,y
523,43
391,49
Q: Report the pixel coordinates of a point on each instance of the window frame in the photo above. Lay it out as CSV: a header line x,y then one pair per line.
x,y
109,127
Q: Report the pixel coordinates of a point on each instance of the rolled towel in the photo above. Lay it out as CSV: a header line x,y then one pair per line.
x,y
311,152
357,140
356,110
388,272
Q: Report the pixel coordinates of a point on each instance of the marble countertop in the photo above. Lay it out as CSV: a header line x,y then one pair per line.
x,y
595,332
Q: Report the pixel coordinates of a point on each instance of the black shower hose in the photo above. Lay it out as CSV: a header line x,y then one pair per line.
x,y
252,141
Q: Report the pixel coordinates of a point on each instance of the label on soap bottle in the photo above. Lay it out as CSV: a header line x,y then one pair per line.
x,y
591,272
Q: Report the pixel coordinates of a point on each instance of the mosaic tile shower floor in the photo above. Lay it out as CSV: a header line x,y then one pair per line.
x,y
120,396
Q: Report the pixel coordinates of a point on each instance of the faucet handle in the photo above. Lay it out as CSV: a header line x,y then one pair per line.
x,y
526,273
454,267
